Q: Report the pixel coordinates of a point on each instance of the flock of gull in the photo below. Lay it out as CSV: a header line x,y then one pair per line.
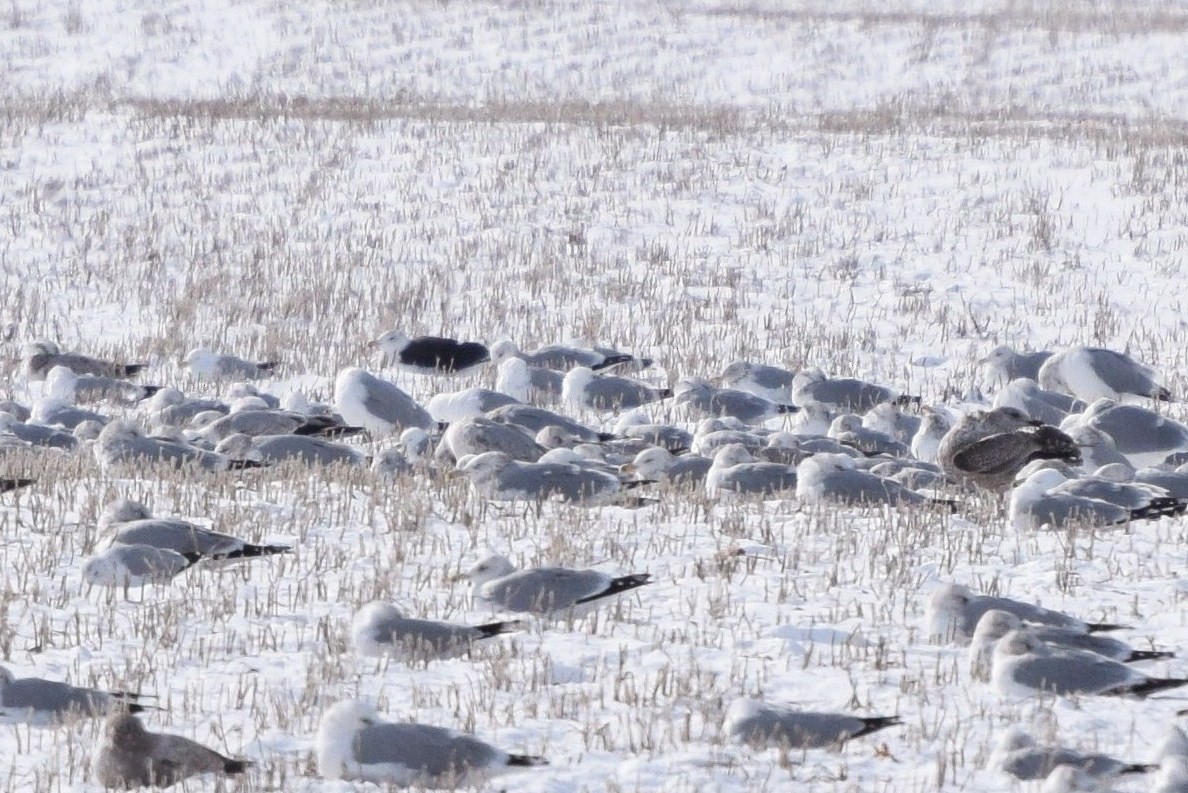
x,y
1072,441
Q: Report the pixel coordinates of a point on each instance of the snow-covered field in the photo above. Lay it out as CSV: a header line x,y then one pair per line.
x,y
883,190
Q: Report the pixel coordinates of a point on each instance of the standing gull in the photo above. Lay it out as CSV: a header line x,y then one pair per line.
x,y
988,448
761,725
1024,665
546,591
954,610
353,744
210,365
431,354
129,756
48,703
380,628
1090,373
378,406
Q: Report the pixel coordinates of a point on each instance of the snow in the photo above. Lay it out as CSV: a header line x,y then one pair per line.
x,y
884,190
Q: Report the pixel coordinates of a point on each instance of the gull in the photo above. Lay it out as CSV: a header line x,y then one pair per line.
x,y
1024,665
1097,448
535,419
1143,436
711,436
761,725
133,524
70,387
1025,395
474,436
735,470
379,628
988,448
249,418
123,443
48,703
129,756
560,357
1091,373
834,478
1069,779
1020,756
848,429
431,354
170,406
1045,499
768,382
497,476
660,465
305,449
546,591
353,744
933,426
842,393
210,365
638,425
995,623
37,434
954,610
380,407
706,400
450,407
889,419
528,383
42,356
55,410
582,388
135,566
1005,364
21,412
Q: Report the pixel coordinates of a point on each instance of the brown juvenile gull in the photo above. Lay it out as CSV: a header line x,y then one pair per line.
x,y
988,448
129,756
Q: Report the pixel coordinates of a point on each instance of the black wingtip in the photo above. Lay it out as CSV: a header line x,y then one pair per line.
x,y
665,393
619,585
236,766
239,465
133,368
1162,395
8,484
1138,768
150,390
250,551
1147,655
907,400
787,408
603,437
266,366
612,361
525,760
1151,685
1103,627
876,723
498,628
193,557
631,484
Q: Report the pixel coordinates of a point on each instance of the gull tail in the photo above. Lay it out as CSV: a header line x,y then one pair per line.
x,y
150,390
496,628
525,760
1146,688
611,361
875,723
8,484
1102,627
1161,394
1138,768
239,465
266,366
664,393
620,585
130,369
630,484
1164,506
250,551
236,766
1147,655
781,408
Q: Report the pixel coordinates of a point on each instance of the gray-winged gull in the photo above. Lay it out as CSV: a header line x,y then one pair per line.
x,y
134,566
71,387
474,436
582,388
661,465
988,448
380,407
468,403
735,470
934,425
171,406
849,430
889,419
954,610
1090,373
354,744
769,382
1039,502
379,628
1143,436
431,354
845,394
210,365
131,523
37,434
761,725
1020,756
1024,665
501,478
306,449
835,478
546,591
1005,364
535,419
1050,407
995,624
560,356
48,703
129,756
123,443
42,356
528,383
706,400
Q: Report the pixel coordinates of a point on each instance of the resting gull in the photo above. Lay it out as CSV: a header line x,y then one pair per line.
x,y
954,610
527,383
1025,395
380,407
379,628
1143,436
706,400
546,591
845,394
353,744
560,357
1019,755
735,470
210,365
1045,499
123,443
499,477
474,436
48,703
582,388
42,356
305,449
1005,364
133,524
761,725
769,382
135,566
129,756
835,478
457,405
1090,373
988,448
431,354
661,465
